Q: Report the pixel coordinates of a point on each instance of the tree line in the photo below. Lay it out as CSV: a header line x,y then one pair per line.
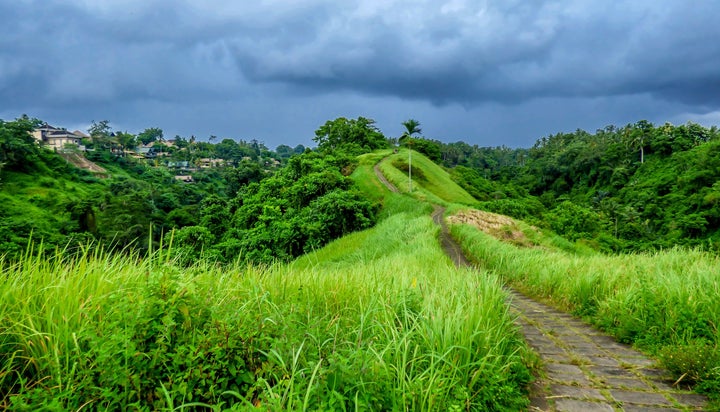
x,y
635,187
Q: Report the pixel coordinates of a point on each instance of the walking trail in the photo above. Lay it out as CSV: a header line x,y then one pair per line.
x,y
584,369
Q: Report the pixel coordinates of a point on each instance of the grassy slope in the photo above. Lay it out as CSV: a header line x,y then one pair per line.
x,y
666,302
377,320
36,205
437,186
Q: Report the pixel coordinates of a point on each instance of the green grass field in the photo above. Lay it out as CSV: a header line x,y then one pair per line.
x,y
378,320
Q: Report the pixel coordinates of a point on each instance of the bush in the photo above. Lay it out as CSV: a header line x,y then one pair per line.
x,y
697,361
574,221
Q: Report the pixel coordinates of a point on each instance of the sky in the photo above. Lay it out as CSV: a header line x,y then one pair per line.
x,y
491,73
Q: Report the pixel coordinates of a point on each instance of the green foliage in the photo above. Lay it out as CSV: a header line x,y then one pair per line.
x,y
434,183
412,127
18,149
403,166
191,241
573,221
102,135
115,332
528,209
150,135
355,136
473,182
429,148
303,206
696,362
649,187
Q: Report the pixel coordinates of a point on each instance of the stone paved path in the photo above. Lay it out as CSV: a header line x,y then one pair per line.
x,y
585,370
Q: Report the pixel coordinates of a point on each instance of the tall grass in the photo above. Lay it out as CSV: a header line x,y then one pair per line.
x,y
666,302
364,176
379,320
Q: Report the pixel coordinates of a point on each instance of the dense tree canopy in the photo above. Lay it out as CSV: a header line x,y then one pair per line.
x,y
350,135
149,135
242,203
645,186
17,146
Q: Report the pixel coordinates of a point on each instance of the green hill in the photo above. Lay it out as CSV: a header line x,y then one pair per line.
x,y
316,288
430,182
377,320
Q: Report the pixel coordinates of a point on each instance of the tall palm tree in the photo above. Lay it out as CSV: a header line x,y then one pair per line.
x,y
412,127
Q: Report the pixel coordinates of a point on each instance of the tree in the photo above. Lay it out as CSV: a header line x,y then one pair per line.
x,y
100,130
228,149
17,146
246,172
126,140
101,134
637,136
150,135
284,151
356,136
412,126
181,142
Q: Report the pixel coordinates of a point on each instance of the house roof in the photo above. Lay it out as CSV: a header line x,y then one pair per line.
x,y
60,134
46,127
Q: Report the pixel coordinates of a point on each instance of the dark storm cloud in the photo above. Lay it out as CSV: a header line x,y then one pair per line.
x,y
206,67
503,51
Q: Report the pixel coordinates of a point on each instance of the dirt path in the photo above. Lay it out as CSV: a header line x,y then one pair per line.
x,y
81,162
585,370
451,248
391,187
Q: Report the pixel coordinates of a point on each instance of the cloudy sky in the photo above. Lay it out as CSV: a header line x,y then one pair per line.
x,y
494,72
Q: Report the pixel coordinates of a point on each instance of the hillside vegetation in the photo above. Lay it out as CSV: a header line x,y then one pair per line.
x,y
311,286
251,208
379,320
664,302
636,187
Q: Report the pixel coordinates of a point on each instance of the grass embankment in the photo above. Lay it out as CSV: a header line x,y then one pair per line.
x,y
666,302
36,207
431,182
379,320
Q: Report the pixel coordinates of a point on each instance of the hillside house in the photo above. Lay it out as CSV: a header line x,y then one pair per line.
x,y
184,178
206,163
145,151
57,139
180,164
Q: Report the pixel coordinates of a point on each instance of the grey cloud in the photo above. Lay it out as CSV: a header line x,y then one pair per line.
x,y
458,63
504,53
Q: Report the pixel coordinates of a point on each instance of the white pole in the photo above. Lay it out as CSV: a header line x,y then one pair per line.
x,y
410,169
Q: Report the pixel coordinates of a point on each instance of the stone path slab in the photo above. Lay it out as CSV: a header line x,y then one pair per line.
x,y
588,371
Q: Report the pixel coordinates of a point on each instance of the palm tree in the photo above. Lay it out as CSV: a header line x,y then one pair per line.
x,y
412,126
